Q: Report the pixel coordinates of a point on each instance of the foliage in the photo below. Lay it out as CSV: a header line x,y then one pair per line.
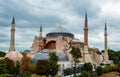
x,y
114,55
25,64
68,71
34,75
5,75
53,57
32,68
107,69
76,54
118,67
84,74
87,67
8,66
99,71
3,67
26,74
57,76
42,67
2,54
53,66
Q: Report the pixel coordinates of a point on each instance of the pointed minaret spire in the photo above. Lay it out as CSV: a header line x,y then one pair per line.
x,y
105,26
40,34
86,17
12,39
13,21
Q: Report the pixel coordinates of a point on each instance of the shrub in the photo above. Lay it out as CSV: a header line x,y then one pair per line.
x,y
99,71
87,67
84,74
107,69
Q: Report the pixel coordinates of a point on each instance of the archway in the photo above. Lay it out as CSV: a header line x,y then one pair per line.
x,y
51,45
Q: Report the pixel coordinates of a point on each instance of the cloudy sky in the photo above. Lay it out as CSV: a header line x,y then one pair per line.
x,y
30,14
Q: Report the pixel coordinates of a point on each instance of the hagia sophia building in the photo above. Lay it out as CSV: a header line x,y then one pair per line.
x,y
61,43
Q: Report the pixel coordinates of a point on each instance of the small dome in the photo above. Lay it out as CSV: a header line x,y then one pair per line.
x,y
62,56
14,55
39,56
46,50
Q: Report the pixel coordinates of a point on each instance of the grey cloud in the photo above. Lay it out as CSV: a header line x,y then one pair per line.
x,y
29,15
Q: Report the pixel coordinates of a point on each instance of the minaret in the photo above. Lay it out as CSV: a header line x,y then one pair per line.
x,y
86,55
105,54
86,31
12,40
40,33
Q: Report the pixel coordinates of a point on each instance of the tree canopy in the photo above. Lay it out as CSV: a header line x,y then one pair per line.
x,y
2,54
114,55
87,67
53,57
76,54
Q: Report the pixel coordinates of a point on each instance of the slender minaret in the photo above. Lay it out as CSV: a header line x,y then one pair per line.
x,y
86,55
12,39
105,54
86,31
40,33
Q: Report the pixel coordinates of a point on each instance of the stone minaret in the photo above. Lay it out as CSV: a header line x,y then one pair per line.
x,y
86,55
12,39
105,54
40,34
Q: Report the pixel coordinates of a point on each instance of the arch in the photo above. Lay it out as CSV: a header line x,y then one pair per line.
x,y
51,45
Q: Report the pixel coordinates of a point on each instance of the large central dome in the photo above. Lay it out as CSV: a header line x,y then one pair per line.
x,y
61,31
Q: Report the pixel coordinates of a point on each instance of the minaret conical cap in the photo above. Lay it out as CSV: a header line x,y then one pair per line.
x,y
86,16
40,28
13,21
105,26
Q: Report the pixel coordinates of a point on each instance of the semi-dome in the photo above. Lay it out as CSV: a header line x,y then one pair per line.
x,y
39,56
62,56
14,55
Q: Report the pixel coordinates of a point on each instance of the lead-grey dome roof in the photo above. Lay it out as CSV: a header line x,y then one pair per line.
x,y
39,56
62,56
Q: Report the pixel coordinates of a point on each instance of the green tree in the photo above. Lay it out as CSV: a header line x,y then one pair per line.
x,y
3,67
114,55
107,69
99,71
2,54
68,71
53,57
9,65
84,74
87,67
53,66
76,54
42,67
